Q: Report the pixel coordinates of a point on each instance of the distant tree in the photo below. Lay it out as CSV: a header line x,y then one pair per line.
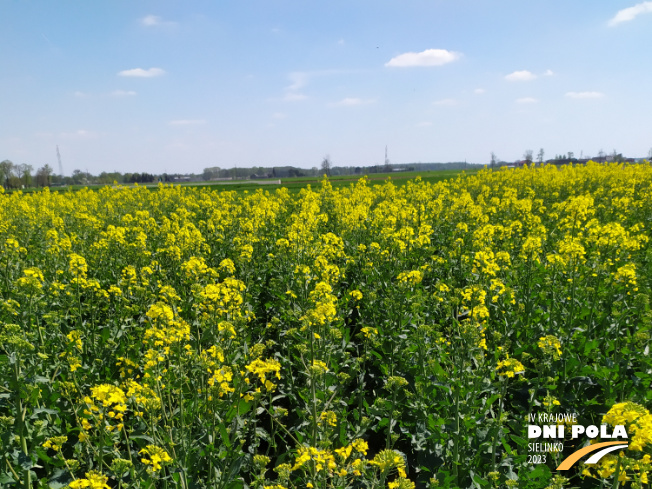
x,y
649,155
540,156
358,170
6,170
295,172
326,165
210,173
77,177
527,156
43,175
570,155
25,173
494,159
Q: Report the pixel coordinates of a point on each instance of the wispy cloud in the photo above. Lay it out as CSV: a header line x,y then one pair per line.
x,y
155,20
429,57
630,13
424,124
299,80
79,134
294,97
548,73
187,122
122,93
523,75
479,91
141,73
449,102
585,94
341,42
526,100
81,94
352,101
279,115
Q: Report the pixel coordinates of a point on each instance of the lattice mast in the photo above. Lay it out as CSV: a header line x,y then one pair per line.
x,y
59,158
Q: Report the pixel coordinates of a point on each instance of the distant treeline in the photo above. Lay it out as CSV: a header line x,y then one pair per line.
x,y
16,176
261,172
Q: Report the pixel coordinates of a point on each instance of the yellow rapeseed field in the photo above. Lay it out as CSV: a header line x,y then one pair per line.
x,y
363,337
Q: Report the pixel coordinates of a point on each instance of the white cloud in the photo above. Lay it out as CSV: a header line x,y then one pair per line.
x,y
294,97
630,13
79,134
123,93
548,73
141,73
526,100
351,101
479,91
446,101
341,42
81,94
155,20
279,115
429,57
299,80
151,20
424,124
187,122
523,75
585,94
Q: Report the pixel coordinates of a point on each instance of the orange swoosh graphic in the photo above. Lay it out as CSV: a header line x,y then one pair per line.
x,y
575,456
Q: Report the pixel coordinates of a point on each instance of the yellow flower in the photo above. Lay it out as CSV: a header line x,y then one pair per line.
x,y
386,460
551,346
55,442
262,368
510,367
329,418
356,294
93,480
157,456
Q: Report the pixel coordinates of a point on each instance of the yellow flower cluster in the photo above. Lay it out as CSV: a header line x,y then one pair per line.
x,y
155,457
262,368
93,480
638,421
106,402
551,346
510,367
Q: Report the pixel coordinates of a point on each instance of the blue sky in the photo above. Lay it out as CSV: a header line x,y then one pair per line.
x,y
171,86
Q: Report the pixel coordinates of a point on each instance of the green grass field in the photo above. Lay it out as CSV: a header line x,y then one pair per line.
x,y
295,184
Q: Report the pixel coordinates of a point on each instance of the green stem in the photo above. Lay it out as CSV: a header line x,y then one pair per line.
x,y
313,391
456,443
497,428
21,411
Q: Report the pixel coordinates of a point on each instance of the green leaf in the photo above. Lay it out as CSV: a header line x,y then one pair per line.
x,y
60,479
519,441
7,479
480,481
224,435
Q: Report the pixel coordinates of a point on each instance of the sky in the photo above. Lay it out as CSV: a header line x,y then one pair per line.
x,y
178,86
